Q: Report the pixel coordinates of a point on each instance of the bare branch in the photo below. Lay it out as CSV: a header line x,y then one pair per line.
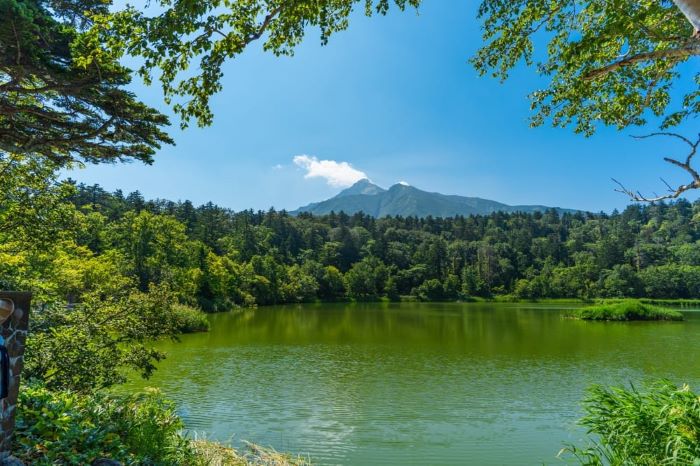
x,y
671,193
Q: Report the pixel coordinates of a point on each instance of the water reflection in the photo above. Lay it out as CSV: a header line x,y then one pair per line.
x,y
411,383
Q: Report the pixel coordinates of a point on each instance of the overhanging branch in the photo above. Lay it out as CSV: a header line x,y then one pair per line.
x,y
686,165
678,54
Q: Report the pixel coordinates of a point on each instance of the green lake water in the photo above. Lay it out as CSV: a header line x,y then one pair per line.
x,y
412,383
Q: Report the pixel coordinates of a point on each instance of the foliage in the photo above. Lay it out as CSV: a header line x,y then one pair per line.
x,y
189,319
627,310
608,62
62,93
202,35
31,191
272,257
366,278
605,62
658,427
63,427
430,290
92,344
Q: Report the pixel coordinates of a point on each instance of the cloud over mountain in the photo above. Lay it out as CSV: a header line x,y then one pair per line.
x,y
336,174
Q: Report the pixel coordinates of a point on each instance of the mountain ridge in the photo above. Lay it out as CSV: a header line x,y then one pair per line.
x,y
407,201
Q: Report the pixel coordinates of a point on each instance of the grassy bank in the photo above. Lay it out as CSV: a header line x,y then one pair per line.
x,y
682,303
626,311
214,454
64,427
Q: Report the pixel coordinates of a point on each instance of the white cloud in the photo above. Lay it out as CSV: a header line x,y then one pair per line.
x,y
337,174
404,183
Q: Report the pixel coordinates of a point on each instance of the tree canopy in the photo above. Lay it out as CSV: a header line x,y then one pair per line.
x,y
610,62
62,95
604,62
206,33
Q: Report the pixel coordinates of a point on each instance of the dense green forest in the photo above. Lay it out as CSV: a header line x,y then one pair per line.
x,y
216,258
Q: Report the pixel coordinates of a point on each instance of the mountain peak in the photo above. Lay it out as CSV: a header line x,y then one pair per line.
x,y
405,200
363,186
400,185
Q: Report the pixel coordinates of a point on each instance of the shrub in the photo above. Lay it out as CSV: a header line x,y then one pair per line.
x,y
70,428
189,319
660,426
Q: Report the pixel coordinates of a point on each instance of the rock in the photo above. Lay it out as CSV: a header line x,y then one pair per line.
x,y
106,462
11,461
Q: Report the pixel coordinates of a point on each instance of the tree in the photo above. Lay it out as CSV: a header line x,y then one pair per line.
x,y
605,62
156,249
431,290
62,94
209,33
685,164
95,344
331,283
299,286
626,49
366,279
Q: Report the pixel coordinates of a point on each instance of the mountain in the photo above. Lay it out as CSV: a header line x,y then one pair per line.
x,y
364,186
404,200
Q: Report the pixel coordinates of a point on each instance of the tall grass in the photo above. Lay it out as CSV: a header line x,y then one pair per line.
x,y
70,428
626,310
190,320
214,454
660,426
683,303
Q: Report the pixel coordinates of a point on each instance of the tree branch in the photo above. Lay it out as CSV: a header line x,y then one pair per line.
x,y
691,49
671,193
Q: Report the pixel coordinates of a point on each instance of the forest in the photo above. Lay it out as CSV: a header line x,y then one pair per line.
x,y
217,259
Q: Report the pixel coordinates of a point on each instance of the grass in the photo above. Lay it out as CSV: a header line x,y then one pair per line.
x,y
214,454
627,310
658,426
683,303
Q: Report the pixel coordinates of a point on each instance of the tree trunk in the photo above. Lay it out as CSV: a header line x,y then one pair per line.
x,y
691,10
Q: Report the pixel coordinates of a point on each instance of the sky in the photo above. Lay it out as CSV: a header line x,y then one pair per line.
x,y
393,99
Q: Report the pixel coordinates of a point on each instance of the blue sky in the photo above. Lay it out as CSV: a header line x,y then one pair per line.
x,y
394,98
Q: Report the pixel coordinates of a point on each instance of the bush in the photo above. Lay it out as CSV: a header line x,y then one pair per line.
x,y
189,319
661,426
626,310
69,428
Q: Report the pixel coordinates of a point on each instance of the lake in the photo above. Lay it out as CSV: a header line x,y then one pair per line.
x,y
412,383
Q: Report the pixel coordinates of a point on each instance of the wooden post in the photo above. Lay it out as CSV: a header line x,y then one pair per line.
x,y
14,334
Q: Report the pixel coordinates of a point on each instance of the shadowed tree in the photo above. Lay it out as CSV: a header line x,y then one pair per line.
x,y
61,93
